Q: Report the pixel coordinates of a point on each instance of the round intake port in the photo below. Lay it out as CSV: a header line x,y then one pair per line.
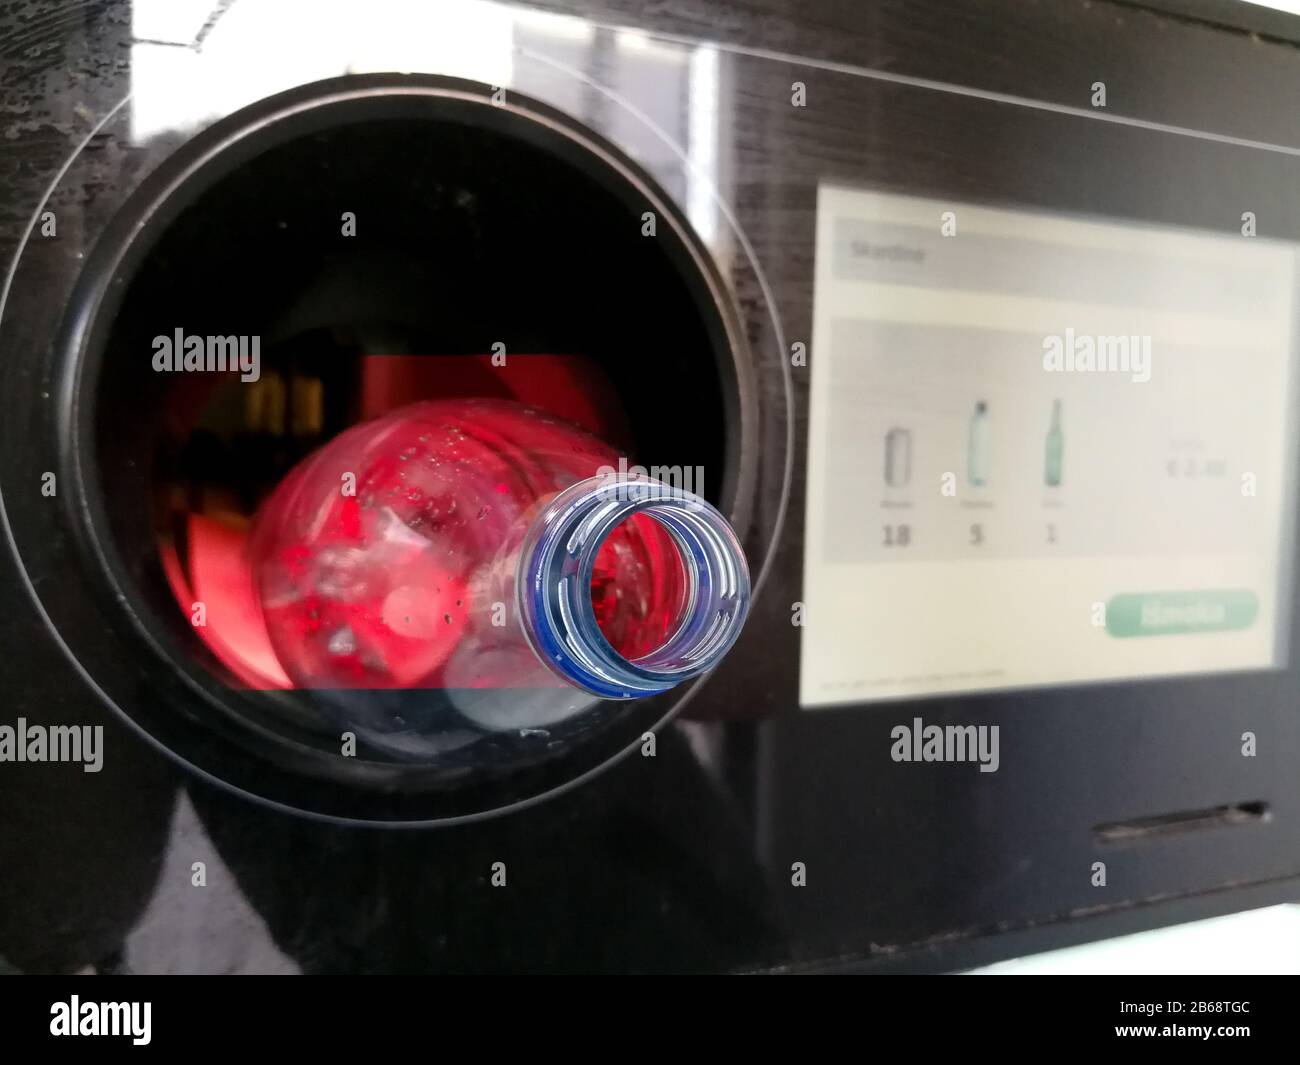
x,y
333,256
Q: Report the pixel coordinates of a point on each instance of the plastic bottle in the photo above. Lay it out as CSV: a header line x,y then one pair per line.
x,y
480,544
977,455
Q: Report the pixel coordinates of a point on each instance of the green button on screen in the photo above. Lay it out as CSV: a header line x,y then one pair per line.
x,y
1166,613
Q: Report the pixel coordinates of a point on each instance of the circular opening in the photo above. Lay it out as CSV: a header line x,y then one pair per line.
x,y
558,557
639,616
370,251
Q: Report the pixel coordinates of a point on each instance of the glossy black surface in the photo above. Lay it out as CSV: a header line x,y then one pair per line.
x,y
683,861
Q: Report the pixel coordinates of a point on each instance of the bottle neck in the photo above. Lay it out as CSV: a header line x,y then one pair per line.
x,y
554,577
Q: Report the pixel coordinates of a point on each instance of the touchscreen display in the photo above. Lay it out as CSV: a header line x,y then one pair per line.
x,y
1043,449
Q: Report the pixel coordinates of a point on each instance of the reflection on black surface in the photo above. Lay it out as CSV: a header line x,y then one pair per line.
x,y
80,852
640,870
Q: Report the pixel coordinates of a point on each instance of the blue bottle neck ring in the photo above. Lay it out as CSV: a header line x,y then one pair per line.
x,y
554,576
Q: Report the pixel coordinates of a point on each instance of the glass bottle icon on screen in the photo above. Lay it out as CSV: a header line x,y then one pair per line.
x,y
898,457
977,452
1054,451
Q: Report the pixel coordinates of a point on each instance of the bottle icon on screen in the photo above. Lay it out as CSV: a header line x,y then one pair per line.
x,y
977,453
898,457
1055,448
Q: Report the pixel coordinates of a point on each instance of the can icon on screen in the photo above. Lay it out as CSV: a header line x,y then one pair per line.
x,y
898,457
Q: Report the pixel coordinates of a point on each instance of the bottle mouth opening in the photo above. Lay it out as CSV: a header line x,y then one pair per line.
x,y
558,563
640,587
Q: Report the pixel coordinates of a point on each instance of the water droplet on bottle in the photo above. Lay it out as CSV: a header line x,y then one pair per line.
x,y
343,642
